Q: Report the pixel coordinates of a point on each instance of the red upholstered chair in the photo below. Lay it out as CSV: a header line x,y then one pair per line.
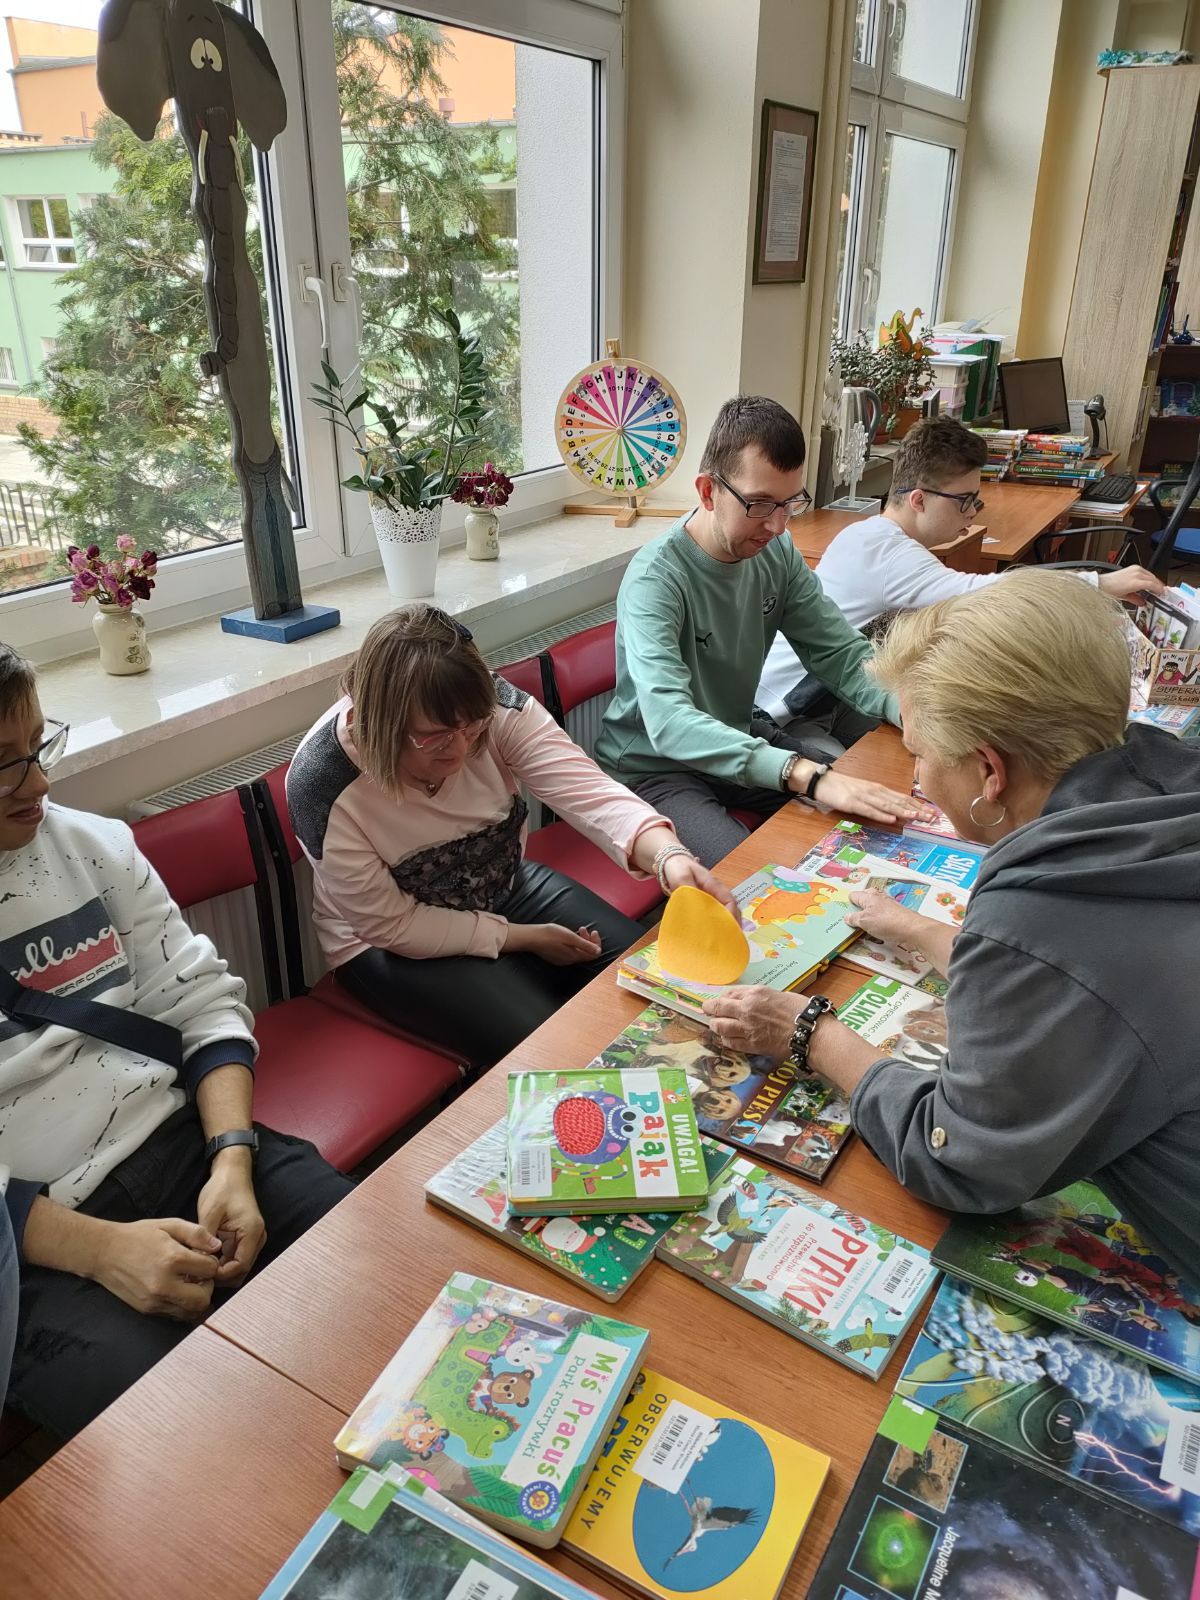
x,y
343,1083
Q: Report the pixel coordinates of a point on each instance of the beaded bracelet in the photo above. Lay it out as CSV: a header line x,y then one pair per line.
x,y
663,856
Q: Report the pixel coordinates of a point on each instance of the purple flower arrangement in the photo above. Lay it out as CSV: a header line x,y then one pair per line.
x,y
119,582
489,488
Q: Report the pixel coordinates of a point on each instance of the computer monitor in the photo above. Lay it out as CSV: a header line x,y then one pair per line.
x,y
1033,395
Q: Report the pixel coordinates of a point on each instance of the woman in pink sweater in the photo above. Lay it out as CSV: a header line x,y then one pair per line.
x,y
406,799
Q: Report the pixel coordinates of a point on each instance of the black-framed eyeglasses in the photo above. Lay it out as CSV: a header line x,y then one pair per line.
x,y
47,755
760,510
965,502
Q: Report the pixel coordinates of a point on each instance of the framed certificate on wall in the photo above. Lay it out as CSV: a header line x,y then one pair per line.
x,y
786,159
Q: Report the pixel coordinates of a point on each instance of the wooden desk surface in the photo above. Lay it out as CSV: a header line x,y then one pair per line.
x,y
224,1452
1014,514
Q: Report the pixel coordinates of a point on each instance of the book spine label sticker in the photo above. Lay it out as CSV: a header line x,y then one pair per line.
x,y
681,1436
1181,1451
476,1582
533,1174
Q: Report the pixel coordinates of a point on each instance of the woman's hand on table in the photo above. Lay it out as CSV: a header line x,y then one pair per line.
x,y
755,1020
882,917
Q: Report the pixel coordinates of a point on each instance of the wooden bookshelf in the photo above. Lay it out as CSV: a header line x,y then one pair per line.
x,y
1135,235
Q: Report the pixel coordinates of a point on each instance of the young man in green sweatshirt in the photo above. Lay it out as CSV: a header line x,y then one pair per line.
x,y
697,612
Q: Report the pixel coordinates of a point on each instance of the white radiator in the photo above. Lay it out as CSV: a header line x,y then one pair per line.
x,y
230,921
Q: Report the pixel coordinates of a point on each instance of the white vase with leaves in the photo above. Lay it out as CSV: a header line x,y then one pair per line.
x,y
409,474
115,583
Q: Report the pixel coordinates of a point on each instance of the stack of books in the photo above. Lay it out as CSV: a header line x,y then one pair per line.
x,y
1056,458
1048,1414
1003,446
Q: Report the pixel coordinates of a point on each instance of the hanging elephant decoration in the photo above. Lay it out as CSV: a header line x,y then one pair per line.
x,y
217,69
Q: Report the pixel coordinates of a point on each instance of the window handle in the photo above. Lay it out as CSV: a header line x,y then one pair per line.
x,y
312,288
343,279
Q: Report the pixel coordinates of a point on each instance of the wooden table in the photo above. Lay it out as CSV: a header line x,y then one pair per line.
x,y
302,1343
1013,515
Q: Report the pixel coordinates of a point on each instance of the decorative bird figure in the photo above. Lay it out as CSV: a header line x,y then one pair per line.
x,y
707,1518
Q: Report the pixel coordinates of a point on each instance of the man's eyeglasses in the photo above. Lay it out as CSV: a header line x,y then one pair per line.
x,y
965,502
432,743
47,755
760,510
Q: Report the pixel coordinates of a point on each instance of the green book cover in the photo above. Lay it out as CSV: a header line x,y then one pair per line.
x,y
583,1142
501,1400
903,1022
794,922
603,1253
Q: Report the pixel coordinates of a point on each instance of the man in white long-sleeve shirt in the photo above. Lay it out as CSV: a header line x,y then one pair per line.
x,y
134,1178
884,564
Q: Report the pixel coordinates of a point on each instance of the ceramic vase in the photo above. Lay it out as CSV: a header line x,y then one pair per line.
x,y
121,634
409,542
483,534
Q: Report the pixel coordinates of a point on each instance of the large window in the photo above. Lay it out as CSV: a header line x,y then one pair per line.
x,y
467,156
911,78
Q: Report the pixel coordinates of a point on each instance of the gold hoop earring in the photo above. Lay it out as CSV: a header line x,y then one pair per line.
x,y
978,823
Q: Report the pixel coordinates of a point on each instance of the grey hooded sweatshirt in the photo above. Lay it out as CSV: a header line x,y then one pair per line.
x,y
1074,1011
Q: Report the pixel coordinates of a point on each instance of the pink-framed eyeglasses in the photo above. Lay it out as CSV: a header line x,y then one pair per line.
x,y
431,743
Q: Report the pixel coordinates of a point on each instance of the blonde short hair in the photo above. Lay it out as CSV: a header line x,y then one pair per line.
x,y
415,662
1035,665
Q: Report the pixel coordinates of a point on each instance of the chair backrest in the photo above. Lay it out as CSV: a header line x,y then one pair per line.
x,y
269,795
200,850
275,782
585,665
209,848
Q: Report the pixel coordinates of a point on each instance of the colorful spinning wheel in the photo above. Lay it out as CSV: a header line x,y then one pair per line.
x,y
620,426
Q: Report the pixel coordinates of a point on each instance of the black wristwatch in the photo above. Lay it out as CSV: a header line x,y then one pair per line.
x,y
810,792
234,1136
802,1032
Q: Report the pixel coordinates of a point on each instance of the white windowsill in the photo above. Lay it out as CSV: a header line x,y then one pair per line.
x,y
200,675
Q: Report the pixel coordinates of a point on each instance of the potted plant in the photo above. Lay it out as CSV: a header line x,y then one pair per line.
x,y
482,492
114,585
409,476
898,370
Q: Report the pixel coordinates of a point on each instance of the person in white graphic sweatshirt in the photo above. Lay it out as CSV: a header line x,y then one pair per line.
x,y
135,1181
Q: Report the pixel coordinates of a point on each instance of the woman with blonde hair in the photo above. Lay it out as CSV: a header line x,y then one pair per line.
x,y
1073,1011
406,799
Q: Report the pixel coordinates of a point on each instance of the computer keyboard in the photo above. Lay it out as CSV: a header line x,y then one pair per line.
x,y
1112,491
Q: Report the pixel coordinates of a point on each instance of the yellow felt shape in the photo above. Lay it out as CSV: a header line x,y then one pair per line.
x,y
700,941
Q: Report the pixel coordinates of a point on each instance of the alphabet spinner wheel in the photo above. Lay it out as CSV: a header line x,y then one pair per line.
x,y
620,426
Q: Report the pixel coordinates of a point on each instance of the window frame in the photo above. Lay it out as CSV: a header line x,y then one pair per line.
x,y
53,242
334,538
882,103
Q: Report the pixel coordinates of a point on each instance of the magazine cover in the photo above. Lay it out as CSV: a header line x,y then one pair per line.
x,y
1064,1402
751,1102
794,926
381,1537
691,1497
940,828
936,1514
500,1400
603,1253
902,1022
1071,1257
581,1142
834,1280
956,863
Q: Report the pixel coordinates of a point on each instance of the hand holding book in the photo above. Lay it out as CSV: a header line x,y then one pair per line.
x,y
881,917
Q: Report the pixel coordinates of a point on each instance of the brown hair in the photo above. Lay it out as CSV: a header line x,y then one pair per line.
x,y
934,453
18,681
752,419
414,662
